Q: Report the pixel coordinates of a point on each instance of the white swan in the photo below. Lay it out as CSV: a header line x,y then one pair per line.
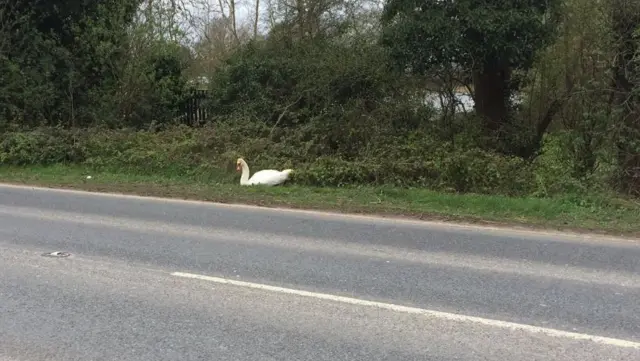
x,y
270,177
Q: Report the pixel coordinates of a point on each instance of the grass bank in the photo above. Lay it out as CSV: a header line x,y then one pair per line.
x,y
599,214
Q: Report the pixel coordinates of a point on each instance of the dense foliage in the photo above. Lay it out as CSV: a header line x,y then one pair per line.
x,y
485,40
341,98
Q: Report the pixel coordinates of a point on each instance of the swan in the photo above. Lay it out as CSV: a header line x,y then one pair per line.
x,y
270,177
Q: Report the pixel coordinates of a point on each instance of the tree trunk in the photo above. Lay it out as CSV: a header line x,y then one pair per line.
x,y
491,88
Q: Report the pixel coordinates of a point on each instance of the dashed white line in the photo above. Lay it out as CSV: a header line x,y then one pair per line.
x,y
419,311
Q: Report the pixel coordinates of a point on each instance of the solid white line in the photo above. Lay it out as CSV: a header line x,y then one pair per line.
x,y
419,311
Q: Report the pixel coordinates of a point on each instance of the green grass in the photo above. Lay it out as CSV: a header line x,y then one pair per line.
x,y
599,214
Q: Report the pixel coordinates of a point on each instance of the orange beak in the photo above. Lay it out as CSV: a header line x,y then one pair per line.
x,y
238,167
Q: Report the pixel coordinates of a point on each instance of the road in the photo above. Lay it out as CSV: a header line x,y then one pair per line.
x,y
152,279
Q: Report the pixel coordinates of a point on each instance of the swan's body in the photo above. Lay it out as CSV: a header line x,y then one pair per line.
x,y
269,177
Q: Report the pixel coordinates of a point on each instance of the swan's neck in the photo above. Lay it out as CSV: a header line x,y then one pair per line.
x,y
244,178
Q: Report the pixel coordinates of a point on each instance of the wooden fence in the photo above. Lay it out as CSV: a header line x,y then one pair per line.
x,y
194,111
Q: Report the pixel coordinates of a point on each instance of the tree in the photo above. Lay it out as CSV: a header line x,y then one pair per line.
x,y
58,53
625,97
487,39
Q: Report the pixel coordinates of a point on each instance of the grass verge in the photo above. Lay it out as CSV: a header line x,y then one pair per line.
x,y
598,214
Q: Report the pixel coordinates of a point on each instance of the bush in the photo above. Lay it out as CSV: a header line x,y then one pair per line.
x,y
209,154
317,81
43,146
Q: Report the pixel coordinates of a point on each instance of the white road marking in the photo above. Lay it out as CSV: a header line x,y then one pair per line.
x,y
419,311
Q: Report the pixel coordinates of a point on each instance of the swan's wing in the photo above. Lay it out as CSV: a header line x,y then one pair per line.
x,y
269,177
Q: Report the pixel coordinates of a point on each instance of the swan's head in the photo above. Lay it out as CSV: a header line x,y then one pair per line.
x,y
239,164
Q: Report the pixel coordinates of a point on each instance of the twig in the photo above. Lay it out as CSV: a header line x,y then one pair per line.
x,y
284,111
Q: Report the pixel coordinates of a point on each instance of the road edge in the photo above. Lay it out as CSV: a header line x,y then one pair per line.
x,y
511,230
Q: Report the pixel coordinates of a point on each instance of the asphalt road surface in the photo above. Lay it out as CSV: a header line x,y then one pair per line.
x,y
150,279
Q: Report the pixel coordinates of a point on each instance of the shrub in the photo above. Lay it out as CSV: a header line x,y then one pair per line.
x,y
44,146
554,169
209,153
